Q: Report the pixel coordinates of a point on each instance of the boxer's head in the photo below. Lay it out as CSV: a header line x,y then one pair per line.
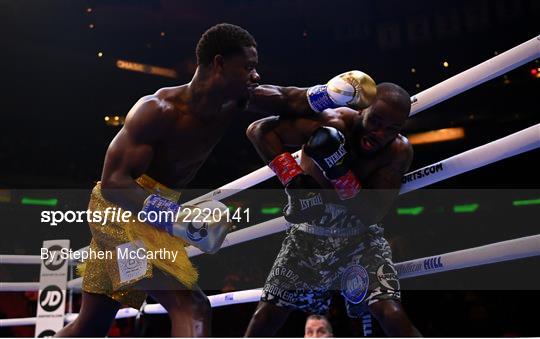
x,y
381,122
228,54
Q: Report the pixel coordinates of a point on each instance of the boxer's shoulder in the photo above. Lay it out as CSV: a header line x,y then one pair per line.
x,y
341,118
150,112
400,150
401,144
172,94
341,113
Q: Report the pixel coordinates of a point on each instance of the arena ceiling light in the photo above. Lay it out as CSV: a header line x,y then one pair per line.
x,y
440,135
148,69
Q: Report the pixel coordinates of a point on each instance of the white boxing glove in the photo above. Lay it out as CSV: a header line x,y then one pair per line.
x,y
204,224
354,89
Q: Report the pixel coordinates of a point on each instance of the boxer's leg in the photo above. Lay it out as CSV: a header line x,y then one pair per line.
x,y
295,282
189,309
393,319
95,317
384,294
267,320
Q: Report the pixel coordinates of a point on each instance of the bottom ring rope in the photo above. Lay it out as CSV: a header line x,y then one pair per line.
x,y
74,285
476,256
223,299
492,253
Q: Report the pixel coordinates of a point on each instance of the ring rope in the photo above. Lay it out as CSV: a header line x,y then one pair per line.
x,y
492,253
482,255
506,147
35,259
474,76
75,285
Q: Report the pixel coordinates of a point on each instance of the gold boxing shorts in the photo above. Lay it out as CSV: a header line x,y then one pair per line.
x,y
116,277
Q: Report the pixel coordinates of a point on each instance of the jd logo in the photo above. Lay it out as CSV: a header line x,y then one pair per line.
x,y
46,334
55,260
51,298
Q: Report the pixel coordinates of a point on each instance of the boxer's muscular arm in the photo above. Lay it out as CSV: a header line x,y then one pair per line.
x,y
286,101
271,135
382,187
130,153
294,101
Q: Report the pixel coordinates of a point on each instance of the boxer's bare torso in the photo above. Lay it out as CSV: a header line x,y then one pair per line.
x,y
167,136
184,139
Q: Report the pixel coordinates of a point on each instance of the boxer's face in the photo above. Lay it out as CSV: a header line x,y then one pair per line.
x,y
378,125
239,74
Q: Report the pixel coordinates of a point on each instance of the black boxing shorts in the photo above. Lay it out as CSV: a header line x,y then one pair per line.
x,y
310,268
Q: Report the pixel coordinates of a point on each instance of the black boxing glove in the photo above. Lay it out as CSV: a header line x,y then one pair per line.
x,y
305,201
327,148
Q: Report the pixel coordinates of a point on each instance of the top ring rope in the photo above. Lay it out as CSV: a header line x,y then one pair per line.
x,y
447,89
487,70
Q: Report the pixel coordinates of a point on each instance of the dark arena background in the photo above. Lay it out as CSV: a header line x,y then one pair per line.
x,y
71,70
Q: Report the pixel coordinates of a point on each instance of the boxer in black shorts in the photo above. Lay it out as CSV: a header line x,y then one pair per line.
x,y
309,268
350,173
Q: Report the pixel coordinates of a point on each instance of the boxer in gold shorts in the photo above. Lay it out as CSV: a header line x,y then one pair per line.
x,y
111,278
167,136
